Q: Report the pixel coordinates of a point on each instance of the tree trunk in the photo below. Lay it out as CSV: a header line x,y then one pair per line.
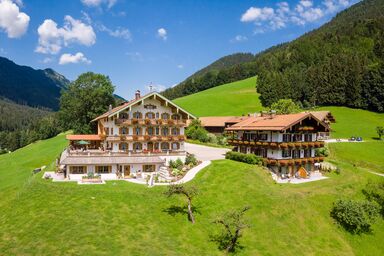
x,y
190,213
231,246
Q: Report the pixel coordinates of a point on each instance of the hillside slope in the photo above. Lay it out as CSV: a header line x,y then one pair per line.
x,y
238,98
25,85
341,63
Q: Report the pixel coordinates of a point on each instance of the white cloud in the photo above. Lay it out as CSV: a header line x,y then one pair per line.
x,y
162,33
47,60
68,58
180,66
52,38
97,3
120,32
12,21
305,11
238,38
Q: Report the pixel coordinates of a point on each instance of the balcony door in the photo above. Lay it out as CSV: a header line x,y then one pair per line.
x,y
127,171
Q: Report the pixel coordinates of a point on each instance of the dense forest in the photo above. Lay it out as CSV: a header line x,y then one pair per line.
x,y
21,125
341,63
27,86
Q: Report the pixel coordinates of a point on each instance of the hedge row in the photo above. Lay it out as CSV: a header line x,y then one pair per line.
x,y
245,158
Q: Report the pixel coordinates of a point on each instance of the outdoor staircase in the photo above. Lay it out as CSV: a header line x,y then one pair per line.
x,y
164,174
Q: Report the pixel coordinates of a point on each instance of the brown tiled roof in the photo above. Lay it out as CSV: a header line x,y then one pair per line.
x,y
215,121
322,115
277,123
83,137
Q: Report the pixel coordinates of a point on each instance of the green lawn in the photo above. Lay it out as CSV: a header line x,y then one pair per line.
x,y
355,122
39,217
236,98
364,154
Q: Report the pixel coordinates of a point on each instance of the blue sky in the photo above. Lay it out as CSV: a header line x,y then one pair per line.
x,y
137,43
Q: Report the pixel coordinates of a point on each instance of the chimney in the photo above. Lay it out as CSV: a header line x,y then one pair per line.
x,y
110,107
272,114
137,94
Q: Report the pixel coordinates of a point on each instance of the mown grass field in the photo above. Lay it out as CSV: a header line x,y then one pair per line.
x,y
39,217
237,98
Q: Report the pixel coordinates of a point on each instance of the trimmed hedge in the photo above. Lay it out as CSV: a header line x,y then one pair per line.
x,y
245,158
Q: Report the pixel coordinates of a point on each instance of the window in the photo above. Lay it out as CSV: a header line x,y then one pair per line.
x,y
176,117
287,137
175,131
261,152
157,130
157,115
297,137
165,131
137,146
150,130
307,153
296,153
175,146
78,169
263,136
164,146
103,169
123,115
124,146
149,168
137,130
106,130
137,115
286,153
308,137
111,131
150,115
124,130
165,116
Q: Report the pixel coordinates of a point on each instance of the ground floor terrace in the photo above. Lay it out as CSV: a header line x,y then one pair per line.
x,y
294,168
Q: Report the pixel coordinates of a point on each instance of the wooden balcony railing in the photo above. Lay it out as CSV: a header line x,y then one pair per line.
x,y
283,145
151,122
294,161
129,138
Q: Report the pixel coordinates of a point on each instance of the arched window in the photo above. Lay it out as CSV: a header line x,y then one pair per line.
x,y
175,145
150,130
175,131
157,115
124,146
176,117
165,116
164,131
137,146
137,130
150,115
164,145
137,115
124,130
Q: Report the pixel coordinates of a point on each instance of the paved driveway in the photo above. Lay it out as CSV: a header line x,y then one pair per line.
x,y
205,153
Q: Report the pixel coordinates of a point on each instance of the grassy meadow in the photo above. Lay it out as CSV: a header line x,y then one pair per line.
x,y
39,217
235,98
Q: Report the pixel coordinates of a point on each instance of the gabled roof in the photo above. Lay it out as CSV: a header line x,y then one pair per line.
x,y
323,115
133,102
215,121
275,123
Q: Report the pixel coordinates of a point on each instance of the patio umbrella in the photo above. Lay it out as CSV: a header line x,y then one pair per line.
x,y
83,142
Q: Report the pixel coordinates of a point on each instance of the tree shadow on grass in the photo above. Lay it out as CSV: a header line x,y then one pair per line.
x,y
223,241
174,210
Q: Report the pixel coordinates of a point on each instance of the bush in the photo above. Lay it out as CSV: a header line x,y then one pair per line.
x,y
212,138
322,152
178,164
245,158
196,132
355,216
191,159
222,140
374,192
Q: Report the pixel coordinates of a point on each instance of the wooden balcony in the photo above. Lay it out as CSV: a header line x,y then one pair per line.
x,y
132,138
150,122
282,145
293,161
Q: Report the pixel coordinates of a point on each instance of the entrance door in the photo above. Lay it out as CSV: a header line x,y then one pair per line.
x,y
127,171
